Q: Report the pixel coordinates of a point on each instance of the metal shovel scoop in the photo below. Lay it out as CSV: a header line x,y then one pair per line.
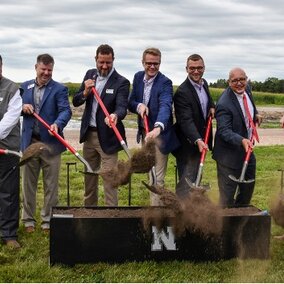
x,y
241,179
10,152
196,184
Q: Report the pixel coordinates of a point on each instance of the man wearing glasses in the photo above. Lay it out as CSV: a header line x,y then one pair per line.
x,y
151,95
193,105
236,117
101,145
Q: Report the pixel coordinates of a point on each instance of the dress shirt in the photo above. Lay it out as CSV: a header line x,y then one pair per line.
x,y
11,117
99,85
201,95
251,110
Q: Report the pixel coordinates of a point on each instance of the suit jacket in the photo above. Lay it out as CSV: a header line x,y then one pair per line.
x,y
160,108
231,129
54,108
114,96
190,123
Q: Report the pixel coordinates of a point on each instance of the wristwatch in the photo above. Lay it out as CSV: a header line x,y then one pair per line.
x,y
158,126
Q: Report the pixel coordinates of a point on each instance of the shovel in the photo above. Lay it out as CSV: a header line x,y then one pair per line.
x,y
64,142
196,184
241,179
113,126
10,152
153,170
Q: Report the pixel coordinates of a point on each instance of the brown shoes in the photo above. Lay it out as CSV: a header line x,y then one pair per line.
x,y
45,230
29,229
12,244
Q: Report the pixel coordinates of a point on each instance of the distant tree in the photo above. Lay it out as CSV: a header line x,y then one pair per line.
x,y
270,85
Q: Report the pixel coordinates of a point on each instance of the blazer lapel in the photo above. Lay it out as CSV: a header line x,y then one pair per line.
x,y
47,91
195,96
237,106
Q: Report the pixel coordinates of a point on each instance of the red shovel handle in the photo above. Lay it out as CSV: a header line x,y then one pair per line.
x,y
71,149
113,126
146,123
99,100
206,138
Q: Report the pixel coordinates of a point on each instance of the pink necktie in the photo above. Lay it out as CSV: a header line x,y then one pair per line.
x,y
251,123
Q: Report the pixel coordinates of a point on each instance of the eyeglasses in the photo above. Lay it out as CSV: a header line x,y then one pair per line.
x,y
236,81
198,68
150,64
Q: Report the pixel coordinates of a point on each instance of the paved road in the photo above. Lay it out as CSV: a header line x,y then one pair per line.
x,y
266,136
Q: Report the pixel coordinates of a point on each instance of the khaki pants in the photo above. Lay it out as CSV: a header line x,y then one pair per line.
x,y
97,159
161,169
50,166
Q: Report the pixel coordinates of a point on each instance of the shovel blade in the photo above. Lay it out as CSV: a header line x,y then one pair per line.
x,y
237,180
194,186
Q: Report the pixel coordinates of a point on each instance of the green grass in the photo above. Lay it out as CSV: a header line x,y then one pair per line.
x,y
31,262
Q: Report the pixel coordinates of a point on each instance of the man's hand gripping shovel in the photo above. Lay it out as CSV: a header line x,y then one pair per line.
x,y
113,126
196,185
241,179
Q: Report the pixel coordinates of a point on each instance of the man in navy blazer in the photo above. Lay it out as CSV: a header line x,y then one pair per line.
x,y
193,105
49,99
233,139
101,145
151,95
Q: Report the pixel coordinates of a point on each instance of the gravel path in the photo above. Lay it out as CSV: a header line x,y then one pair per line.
x,y
266,136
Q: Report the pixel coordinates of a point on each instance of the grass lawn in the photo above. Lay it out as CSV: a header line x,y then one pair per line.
x,y
31,262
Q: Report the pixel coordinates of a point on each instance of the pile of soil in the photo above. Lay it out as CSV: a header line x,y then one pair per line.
x,y
196,214
142,161
34,150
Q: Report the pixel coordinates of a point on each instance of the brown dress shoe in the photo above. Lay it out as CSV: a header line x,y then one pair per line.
x,y
45,230
13,244
30,229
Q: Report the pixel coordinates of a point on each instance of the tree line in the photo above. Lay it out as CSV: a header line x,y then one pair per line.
x,y
270,85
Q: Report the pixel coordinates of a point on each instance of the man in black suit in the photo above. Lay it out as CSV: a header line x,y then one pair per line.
x,y
101,145
233,140
193,105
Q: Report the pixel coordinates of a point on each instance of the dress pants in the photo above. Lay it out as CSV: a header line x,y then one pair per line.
x,y
9,196
50,165
232,193
187,165
97,159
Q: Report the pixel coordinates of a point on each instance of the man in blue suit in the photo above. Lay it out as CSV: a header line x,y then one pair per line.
x,y
233,140
152,95
49,99
101,146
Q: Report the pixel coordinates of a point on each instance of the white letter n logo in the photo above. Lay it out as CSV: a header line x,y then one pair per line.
x,y
160,237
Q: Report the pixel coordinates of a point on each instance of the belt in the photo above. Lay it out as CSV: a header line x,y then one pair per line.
x,y
92,128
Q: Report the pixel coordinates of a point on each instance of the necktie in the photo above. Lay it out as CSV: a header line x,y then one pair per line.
x,y
250,120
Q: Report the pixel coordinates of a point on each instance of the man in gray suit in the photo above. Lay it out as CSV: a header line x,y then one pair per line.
x,y
233,140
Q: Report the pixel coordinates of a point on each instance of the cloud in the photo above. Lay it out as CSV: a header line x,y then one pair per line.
x,y
227,33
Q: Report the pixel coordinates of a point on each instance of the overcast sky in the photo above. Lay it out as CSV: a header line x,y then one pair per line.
x,y
226,33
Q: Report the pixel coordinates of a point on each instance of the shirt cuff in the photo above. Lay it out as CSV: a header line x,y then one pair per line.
x,y
159,124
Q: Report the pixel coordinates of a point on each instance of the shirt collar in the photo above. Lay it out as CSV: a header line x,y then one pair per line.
x,y
196,85
101,78
41,86
150,81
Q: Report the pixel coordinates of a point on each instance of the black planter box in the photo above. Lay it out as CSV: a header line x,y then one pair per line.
x,y
118,239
